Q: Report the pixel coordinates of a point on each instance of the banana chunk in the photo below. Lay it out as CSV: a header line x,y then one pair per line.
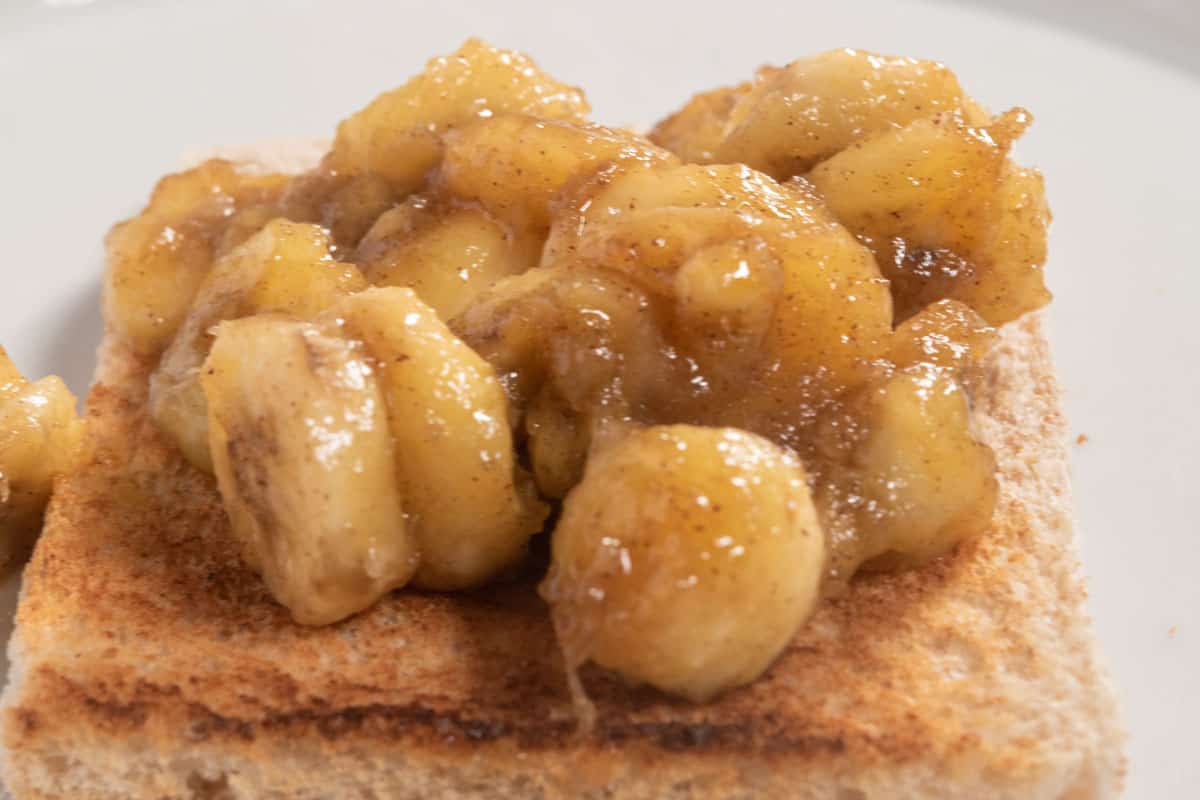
x,y
923,464
472,509
304,462
158,259
687,559
399,135
286,267
41,438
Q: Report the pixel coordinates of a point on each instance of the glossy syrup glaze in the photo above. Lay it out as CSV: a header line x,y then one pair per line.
x,y
746,341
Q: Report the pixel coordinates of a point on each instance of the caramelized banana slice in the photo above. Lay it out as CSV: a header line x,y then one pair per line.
x,y
787,119
40,435
444,252
687,559
695,131
471,507
576,348
946,212
821,305
514,164
907,480
399,135
727,292
158,259
304,462
946,334
285,267
930,482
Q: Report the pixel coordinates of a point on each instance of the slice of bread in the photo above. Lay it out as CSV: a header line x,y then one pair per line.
x,y
148,662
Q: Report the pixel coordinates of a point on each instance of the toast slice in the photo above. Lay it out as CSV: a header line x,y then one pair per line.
x,y
149,662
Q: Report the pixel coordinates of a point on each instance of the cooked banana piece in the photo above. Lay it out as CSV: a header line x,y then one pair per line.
x,y
305,464
447,254
158,259
687,559
787,119
947,213
648,223
695,131
399,135
472,509
40,435
727,292
947,334
285,267
514,164
932,481
578,348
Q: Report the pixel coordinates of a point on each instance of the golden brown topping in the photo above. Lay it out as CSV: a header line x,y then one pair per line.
x,y
814,258
575,349
399,135
470,507
284,268
447,253
515,164
304,461
158,259
346,206
904,474
686,558
785,121
836,310
946,213
728,293
40,438
695,131
903,158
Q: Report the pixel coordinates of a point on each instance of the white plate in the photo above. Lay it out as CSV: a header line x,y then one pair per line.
x,y
97,101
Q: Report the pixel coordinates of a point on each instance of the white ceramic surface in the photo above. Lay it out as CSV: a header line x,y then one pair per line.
x,y
99,99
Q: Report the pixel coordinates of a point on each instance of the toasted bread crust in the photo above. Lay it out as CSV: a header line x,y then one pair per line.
x,y
140,624
150,662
